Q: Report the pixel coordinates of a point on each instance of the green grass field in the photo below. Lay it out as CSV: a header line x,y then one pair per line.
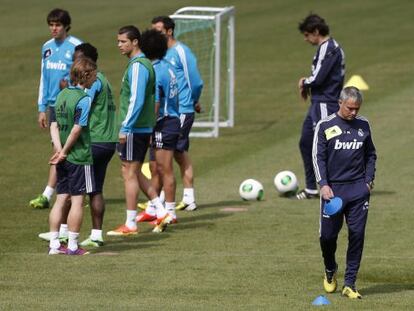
x,y
264,258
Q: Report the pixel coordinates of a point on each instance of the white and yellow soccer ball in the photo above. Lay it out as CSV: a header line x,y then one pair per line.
x,y
286,183
251,190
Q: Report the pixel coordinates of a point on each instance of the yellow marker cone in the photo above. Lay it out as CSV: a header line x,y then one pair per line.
x,y
358,82
145,169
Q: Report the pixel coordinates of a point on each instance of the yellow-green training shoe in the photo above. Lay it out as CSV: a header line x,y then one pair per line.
x,y
351,292
40,202
184,206
143,206
91,243
329,282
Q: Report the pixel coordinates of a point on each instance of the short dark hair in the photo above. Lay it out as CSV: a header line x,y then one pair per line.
x,y
88,50
153,44
131,32
313,22
167,21
59,16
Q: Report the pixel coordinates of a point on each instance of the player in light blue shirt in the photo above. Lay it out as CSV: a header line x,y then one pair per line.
x,y
167,129
56,61
188,77
166,92
55,67
190,86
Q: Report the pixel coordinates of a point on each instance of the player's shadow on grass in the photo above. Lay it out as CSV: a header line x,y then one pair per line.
x,y
201,217
387,288
198,221
145,239
191,225
254,127
382,192
200,206
114,200
231,203
140,241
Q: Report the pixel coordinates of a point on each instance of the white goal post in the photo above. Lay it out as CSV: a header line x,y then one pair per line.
x,y
210,34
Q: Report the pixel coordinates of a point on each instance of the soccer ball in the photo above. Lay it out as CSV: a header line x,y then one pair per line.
x,y
251,190
286,183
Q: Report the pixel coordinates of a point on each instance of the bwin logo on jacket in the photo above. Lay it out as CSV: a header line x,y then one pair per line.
x,y
58,66
347,145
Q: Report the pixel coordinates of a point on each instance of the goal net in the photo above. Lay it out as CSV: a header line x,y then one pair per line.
x,y
209,32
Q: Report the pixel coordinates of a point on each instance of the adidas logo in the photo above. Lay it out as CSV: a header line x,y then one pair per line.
x,y
348,145
333,132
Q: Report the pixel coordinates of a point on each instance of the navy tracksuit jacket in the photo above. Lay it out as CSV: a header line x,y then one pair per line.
x,y
344,158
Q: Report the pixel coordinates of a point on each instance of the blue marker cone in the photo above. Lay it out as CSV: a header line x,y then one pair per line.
x,y
332,206
321,301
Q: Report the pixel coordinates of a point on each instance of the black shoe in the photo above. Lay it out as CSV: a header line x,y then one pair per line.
x,y
304,195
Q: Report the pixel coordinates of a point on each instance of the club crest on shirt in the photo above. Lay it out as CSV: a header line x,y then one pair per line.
x,y
68,54
47,53
332,132
360,132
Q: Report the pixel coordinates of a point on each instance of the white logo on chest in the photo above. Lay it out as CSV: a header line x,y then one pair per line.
x,y
58,66
347,145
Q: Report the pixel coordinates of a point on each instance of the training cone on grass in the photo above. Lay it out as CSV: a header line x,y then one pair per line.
x,y
145,169
358,82
321,301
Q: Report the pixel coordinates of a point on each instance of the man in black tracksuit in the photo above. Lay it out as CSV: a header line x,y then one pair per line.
x,y
323,85
344,162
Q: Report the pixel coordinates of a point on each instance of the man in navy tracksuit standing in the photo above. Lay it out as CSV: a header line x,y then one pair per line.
x,y
324,85
344,161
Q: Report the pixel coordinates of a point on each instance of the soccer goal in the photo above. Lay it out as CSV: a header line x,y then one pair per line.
x,y
209,32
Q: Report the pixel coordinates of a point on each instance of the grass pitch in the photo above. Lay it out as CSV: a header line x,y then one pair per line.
x,y
264,258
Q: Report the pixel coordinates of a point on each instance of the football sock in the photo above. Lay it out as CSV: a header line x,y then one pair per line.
x,y
96,235
151,209
311,191
188,196
130,219
170,207
48,192
162,196
54,240
63,231
73,240
160,210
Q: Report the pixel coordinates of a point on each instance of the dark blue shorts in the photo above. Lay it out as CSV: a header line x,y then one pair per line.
x,y
166,133
102,153
74,179
135,148
187,120
152,154
51,115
